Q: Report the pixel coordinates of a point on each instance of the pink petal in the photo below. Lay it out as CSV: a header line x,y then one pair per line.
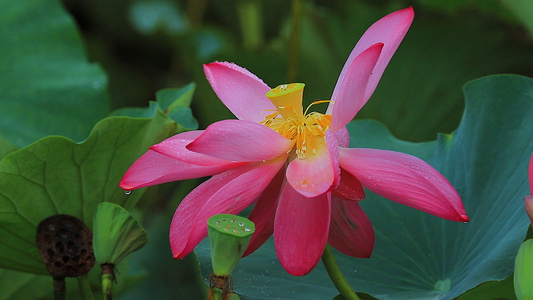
x,y
175,147
405,179
154,168
350,188
263,213
315,174
389,30
528,202
226,193
238,140
301,230
333,149
350,231
240,90
343,137
349,95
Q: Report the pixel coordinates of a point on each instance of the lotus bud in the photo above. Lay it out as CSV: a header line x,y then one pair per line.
x,y
116,234
523,271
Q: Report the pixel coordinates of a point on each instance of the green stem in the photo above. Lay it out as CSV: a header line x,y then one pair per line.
x,y
215,294
107,286
59,289
335,274
108,277
294,43
85,288
249,12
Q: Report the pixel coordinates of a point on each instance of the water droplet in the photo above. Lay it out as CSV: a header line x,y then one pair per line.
x,y
247,229
241,224
127,192
233,220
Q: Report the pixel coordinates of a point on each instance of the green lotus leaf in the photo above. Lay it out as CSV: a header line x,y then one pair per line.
x,y
173,101
48,86
58,176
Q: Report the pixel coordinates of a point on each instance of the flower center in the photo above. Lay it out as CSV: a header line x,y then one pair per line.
x,y
307,130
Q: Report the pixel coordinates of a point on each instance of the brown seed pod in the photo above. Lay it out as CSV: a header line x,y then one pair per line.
x,y
66,246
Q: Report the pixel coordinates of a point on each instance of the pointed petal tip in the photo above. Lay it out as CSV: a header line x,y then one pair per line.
x,y
389,30
240,90
464,218
179,255
378,45
409,10
211,70
126,185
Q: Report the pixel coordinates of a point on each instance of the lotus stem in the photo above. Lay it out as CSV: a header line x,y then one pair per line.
x,y
59,289
85,287
336,276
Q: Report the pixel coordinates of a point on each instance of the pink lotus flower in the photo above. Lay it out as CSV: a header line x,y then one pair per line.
x,y
528,200
293,165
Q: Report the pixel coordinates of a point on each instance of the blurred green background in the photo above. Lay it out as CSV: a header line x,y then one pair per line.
x,y
147,45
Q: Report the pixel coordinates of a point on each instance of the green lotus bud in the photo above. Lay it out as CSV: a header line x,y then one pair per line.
x,y
228,236
115,234
523,271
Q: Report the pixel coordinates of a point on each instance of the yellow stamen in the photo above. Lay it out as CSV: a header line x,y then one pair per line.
x,y
290,121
